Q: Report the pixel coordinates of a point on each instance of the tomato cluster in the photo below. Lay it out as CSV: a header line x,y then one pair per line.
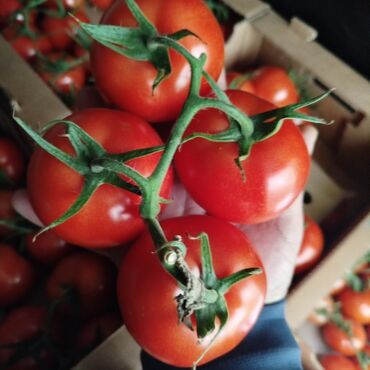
x,y
344,319
101,174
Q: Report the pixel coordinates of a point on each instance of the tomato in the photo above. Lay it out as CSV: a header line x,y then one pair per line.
x,y
274,85
47,248
128,83
60,30
355,305
97,330
11,160
21,324
326,303
111,216
66,82
7,8
16,276
312,246
146,291
68,4
92,279
338,340
6,210
276,169
336,362
243,85
102,4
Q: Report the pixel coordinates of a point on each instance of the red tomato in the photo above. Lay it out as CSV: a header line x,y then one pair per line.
x,y
326,303
92,277
7,8
21,324
274,85
97,330
60,30
6,210
336,362
244,85
11,160
168,98
355,305
68,82
312,246
153,321
102,4
68,4
16,276
47,248
276,169
338,340
111,216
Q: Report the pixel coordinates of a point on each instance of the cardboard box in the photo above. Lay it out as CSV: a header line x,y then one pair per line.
x,y
340,176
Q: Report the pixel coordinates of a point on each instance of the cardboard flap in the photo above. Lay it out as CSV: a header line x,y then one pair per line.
x,y
250,9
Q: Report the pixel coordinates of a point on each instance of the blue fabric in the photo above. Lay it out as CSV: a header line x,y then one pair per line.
x,y
269,346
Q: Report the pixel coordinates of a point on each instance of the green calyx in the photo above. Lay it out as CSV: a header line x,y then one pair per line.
x,y
202,296
60,65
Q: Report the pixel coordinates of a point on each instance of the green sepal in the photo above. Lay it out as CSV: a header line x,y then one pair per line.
x,y
115,180
83,39
62,156
137,153
92,182
238,81
355,282
142,20
223,285
227,136
19,225
181,34
59,66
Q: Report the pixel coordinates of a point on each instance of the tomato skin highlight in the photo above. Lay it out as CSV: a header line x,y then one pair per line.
x,y
338,340
16,276
111,216
146,291
355,305
312,246
128,85
91,276
276,170
336,362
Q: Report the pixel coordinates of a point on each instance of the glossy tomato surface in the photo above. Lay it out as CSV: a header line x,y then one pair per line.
x,y
338,340
128,83
91,279
11,160
111,216
312,246
275,171
146,292
336,362
16,276
355,305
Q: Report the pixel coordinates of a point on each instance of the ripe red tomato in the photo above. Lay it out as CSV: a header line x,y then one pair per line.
x,y
60,30
11,160
338,340
7,8
276,169
168,98
16,276
47,248
97,330
23,323
326,303
146,291
312,246
68,4
274,85
111,216
336,362
67,82
91,277
244,85
6,210
355,305
102,4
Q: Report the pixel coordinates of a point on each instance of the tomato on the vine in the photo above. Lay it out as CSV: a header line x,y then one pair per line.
x,y
90,279
275,171
128,83
68,4
102,4
16,276
146,291
11,160
236,78
336,362
341,342
111,216
355,305
311,247
7,8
